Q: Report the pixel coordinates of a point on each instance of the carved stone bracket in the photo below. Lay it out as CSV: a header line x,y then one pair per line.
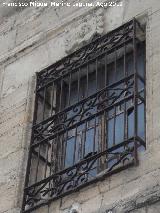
x,y
82,30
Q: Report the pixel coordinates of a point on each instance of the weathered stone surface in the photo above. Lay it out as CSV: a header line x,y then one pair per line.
x,y
154,208
17,120
88,193
34,38
93,205
7,42
11,142
104,186
113,21
25,68
7,199
55,206
68,201
44,209
80,31
10,167
142,210
56,49
15,210
133,9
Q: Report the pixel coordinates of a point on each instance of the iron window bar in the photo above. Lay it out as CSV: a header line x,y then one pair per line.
x,y
47,176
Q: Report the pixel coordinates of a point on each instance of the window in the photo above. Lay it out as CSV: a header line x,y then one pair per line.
x,y
89,118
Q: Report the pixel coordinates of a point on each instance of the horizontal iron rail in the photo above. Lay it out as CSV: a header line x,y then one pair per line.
x,y
41,157
109,51
98,178
123,80
81,122
87,45
109,150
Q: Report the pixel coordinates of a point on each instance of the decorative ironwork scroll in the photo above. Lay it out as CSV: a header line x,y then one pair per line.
x,y
91,51
89,119
78,175
84,110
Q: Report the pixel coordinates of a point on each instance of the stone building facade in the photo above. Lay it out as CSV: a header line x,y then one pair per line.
x,y
33,38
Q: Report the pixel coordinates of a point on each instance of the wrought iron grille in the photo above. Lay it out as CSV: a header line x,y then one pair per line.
x,y
89,118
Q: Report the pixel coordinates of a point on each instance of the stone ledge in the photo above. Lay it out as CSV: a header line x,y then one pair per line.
x,y
143,199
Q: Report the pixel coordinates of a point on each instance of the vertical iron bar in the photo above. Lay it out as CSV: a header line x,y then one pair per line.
x,y
80,143
125,85
135,90
39,150
145,94
106,78
52,150
44,104
115,72
78,84
65,145
63,151
96,74
94,137
75,143
107,145
115,64
103,142
52,98
105,129
57,153
87,80
61,94
84,142
114,126
60,151
107,114
52,162
46,163
69,88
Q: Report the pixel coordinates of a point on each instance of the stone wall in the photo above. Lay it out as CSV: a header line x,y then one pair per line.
x,y
34,38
